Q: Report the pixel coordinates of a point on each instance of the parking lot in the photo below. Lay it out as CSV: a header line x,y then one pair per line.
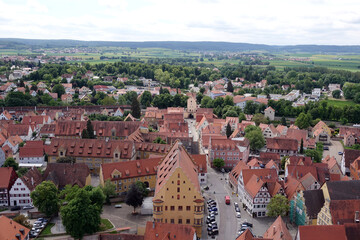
x,y
334,148
123,217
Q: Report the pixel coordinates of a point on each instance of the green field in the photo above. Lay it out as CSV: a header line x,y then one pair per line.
x,y
47,229
105,225
280,61
340,103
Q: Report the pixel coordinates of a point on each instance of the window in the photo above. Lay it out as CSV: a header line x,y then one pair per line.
x,y
178,196
180,208
180,221
172,208
187,221
178,182
172,220
188,208
165,208
178,189
178,175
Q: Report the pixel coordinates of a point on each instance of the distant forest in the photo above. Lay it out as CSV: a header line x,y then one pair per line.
x,y
17,43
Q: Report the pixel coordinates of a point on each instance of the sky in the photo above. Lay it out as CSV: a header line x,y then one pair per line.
x,y
275,22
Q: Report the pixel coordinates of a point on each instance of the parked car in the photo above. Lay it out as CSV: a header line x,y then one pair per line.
x,y
326,148
238,215
236,204
118,206
28,207
237,209
340,153
15,208
215,231
227,200
206,188
209,229
247,224
214,212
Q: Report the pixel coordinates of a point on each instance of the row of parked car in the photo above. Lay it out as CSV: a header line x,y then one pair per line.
x,y
17,208
39,224
212,226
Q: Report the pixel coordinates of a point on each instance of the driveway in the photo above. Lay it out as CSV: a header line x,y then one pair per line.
x,y
334,149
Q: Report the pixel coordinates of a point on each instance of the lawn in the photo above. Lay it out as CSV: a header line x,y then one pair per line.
x,y
47,229
340,103
105,224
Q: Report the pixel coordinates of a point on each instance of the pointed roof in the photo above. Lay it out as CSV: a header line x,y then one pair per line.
x,y
177,157
278,231
13,229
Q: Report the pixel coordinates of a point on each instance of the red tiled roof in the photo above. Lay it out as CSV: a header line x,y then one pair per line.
x,y
177,157
322,232
200,161
280,143
26,152
63,174
6,174
278,230
32,178
131,169
162,231
11,229
343,211
18,129
91,148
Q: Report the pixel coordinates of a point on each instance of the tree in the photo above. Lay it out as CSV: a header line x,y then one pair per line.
x,y
134,197
45,198
303,121
283,121
108,101
90,130
108,190
10,162
278,206
84,134
59,89
314,154
159,140
146,99
255,138
23,220
242,117
259,118
218,163
135,108
228,130
230,87
302,146
336,94
22,171
97,196
80,216
142,187
66,160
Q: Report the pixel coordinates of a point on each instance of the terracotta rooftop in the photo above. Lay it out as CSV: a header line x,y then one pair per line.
x,y
280,143
163,231
32,178
62,174
131,169
322,232
278,231
26,152
13,229
91,148
344,211
175,158
350,155
5,176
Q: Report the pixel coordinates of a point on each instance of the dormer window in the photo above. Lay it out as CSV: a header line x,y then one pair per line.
x,y
61,153
116,155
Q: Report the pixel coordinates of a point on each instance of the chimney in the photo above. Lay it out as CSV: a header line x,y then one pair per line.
x,y
32,181
274,230
357,220
22,231
281,234
257,179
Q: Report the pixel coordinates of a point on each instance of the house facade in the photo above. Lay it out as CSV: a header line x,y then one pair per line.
x,y
7,179
20,194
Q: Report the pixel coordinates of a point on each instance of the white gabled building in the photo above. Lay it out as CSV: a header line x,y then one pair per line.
x,y
119,113
255,189
20,194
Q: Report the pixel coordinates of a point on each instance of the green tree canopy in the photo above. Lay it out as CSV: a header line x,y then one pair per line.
x,y
218,163
336,94
230,87
142,187
255,137
303,121
10,162
259,118
228,130
135,108
278,206
146,99
80,216
45,198
59,89
159,140
109,189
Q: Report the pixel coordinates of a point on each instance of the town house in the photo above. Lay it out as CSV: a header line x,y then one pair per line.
x,y
7,179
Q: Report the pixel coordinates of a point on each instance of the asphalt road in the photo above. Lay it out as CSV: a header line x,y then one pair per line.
x,y
334,149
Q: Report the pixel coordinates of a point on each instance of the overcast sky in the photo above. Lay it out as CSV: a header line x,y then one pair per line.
x,y
276,22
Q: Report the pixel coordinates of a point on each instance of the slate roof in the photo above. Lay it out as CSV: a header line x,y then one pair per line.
x,y
344,190
314,201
